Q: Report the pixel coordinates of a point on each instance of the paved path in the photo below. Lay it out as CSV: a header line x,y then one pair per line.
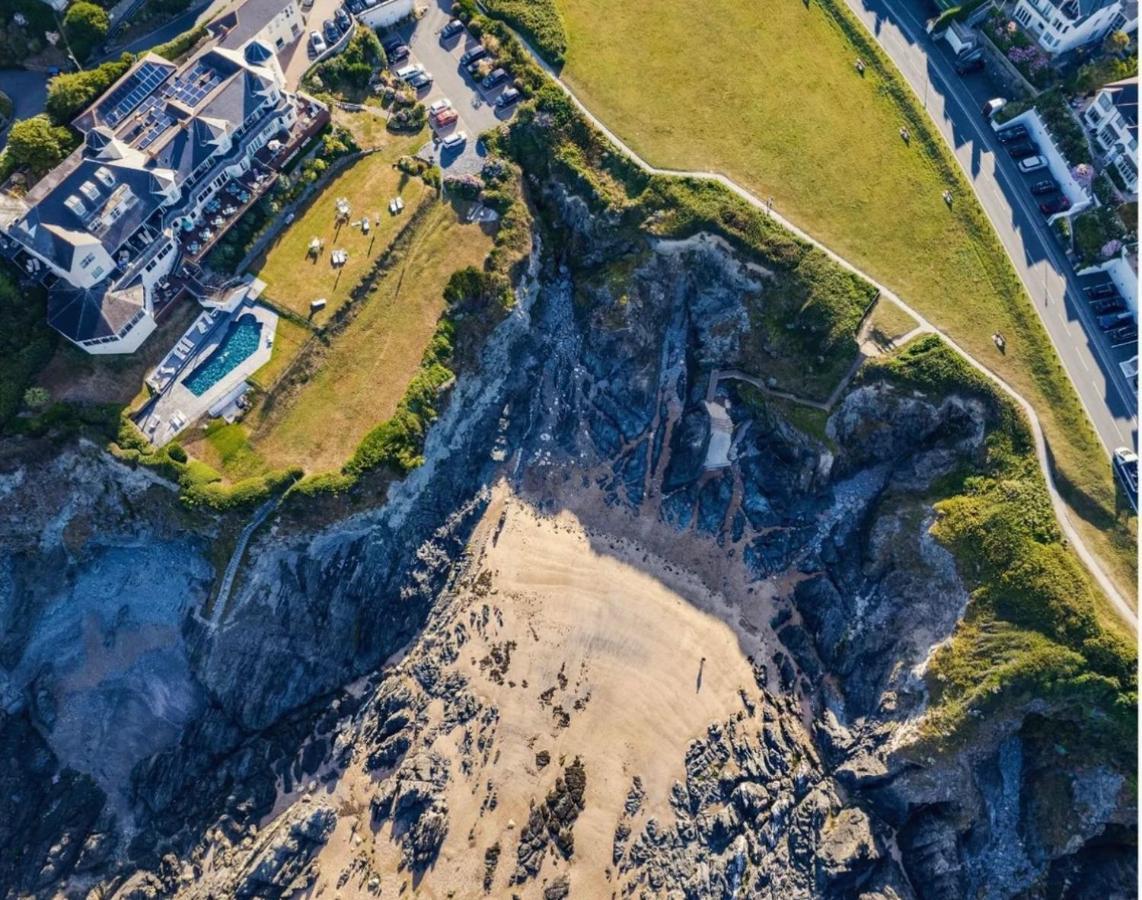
x,y
1073,537
222,598
953,104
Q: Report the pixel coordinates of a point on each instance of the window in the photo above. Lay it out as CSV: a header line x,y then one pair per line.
x,y
97,271
87,260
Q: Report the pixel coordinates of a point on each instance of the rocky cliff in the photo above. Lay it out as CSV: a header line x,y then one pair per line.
x,y
585,648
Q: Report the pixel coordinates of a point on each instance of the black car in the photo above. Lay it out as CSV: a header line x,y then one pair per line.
x,y
498,77
332,33
1046,186
399,53
1127,334
969,64
508,97
1111,321
1056,204
452,29
393,40
342,19
1014,133
1022,150
1108,306
1106,289
355,6
470,56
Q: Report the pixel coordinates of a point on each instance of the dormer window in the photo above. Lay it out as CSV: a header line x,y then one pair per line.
x,y
105,176
90,191
75,205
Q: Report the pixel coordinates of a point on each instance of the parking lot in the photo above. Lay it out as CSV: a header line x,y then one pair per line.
x,y
475,108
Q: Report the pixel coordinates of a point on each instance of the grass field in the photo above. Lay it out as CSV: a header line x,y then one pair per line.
x,y
793,120
889,322
359,379
364,374
294,278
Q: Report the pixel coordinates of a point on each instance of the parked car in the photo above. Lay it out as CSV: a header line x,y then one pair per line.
x,y
1106,289
473,68
439,106
454,140
332,33
1126,468
991,107
1022,150
508,97
399,53
1032,164
1056,204
972,62
446,117
1111,321
405,73
1108,306
452,29
498,77
317,42
421,80
1124,334
472,54
1011,133
342,19
355,6
1046,186
393,40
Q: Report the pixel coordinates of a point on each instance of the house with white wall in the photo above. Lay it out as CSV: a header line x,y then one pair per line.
x,y
1112,120
1062,25
275,23
110,222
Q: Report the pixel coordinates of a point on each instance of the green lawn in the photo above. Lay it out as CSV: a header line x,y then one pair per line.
x,y
368,366
889,322
294,278
791,119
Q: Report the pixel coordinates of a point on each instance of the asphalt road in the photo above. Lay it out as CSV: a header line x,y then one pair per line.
x,y
29,93
954,106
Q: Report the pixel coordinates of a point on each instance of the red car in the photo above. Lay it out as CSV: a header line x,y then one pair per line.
x,y
1056,204
446,117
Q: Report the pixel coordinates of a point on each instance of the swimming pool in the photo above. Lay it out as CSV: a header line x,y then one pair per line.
x,y
238,345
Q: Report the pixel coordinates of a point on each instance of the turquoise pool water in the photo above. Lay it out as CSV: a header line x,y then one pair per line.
x,y
235,349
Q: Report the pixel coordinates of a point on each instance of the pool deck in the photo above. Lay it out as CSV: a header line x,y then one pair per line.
x,y
176,406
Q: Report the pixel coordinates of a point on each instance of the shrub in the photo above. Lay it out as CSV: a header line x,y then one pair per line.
x,y
85,25
467,187
180,45
539,22
347,74
36,398
72,92
176,452
409,118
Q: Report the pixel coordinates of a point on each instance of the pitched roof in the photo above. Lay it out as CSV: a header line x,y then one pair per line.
x,y
246,21
83,314
1124,95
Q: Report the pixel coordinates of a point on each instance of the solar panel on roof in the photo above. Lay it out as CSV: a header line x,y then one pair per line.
x,y
139,85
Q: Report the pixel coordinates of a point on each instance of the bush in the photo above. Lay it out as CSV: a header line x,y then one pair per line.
x,y
409,119
1095,229
348,73
20,42
175,48
85,25
71,93
539,22
38,144
1066,131
176,452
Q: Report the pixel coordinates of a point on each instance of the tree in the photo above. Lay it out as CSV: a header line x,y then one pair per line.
x,y
85,25
37,143
70,93
1116,42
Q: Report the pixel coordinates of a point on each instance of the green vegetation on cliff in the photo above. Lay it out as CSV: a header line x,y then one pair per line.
x,y
1032,630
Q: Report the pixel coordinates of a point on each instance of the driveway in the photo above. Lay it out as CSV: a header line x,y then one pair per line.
x,y
954,105
296,59
29,93
475,108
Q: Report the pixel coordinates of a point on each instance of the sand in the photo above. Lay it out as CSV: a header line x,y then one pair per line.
x,y
615,658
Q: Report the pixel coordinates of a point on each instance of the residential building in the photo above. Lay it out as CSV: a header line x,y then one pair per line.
x,y
171,156
1112,120
1062,25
